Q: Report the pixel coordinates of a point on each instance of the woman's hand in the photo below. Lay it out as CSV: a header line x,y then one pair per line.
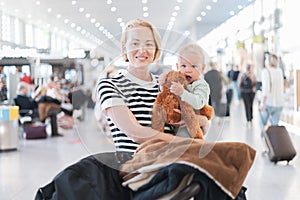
x,y
203,122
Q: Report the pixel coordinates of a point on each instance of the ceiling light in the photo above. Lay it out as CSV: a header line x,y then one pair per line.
x,y
172,19
179,1
203,13
49,10
81,9
145,8
198,18
66,21
174,14
113,9
208,7
215,1
108,2
144,1
87,15
73,25
74,2
186,33
78,28
119,20
177,8
97,24
58,16
122,24
146,14
231,13
171,23
240,7
93,20
37,2
29,16
101,28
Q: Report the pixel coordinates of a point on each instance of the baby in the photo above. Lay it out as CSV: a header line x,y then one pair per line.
x,y
191,62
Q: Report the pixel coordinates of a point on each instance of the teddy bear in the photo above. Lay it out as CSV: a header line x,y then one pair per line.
x,y
166,102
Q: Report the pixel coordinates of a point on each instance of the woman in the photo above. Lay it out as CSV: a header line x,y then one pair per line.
x,y
272,101
127,98
247,82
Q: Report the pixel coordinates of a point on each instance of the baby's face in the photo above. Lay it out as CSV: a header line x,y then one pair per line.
x,y
191,66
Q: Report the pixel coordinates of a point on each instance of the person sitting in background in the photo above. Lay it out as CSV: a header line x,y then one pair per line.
x,y
27,105
3,91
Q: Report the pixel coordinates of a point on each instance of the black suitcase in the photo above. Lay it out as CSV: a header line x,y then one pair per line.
x,y
279,144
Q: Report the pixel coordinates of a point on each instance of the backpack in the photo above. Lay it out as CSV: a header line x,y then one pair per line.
x,y
246,84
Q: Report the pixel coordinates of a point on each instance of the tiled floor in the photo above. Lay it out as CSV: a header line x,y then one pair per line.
x,y
36,162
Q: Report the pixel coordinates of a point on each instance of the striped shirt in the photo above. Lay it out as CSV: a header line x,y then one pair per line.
x,y
126,90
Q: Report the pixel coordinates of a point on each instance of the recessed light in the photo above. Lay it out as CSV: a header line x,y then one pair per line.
x,y
208,7
199,18
113,9
93,20
119,20
81,9
87,15
146,14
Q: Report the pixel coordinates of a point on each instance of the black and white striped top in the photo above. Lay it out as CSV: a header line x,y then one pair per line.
x,y
137,95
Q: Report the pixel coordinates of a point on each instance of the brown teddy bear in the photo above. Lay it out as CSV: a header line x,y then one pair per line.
x,y
166,102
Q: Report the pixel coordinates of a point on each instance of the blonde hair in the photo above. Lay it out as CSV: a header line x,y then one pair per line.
x,y
192,49
136,23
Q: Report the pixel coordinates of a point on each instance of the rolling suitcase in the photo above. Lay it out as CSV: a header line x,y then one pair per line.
x,y
279,144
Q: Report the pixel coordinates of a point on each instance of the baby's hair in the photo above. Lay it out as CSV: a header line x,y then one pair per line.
x,y
192,48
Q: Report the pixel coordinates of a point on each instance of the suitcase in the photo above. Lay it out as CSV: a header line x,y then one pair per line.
x,y
34,131
279,144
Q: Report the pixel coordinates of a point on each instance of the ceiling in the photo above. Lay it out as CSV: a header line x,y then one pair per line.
x,y
100,26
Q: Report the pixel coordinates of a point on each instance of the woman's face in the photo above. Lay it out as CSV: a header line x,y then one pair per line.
x,y
140,46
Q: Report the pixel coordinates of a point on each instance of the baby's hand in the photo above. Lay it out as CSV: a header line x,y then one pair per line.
x,y
176,88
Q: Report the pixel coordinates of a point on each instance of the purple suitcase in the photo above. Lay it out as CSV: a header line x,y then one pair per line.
x,y
34,131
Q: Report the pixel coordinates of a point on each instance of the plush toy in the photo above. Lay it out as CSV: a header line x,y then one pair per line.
x,y
166,102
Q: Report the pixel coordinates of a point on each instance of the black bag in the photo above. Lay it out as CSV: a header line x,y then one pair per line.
x,y
92,178
246,84
279,144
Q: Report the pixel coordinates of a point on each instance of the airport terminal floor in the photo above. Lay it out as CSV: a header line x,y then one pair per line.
x,y
36,162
